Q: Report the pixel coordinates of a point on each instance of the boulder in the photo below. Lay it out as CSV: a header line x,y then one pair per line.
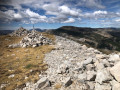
x,y
115,71
102,76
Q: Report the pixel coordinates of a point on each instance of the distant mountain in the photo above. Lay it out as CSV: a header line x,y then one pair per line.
x,y
38,29
104,39
5,32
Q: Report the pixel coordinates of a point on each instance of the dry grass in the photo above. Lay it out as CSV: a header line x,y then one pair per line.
x,y
58,85
25,63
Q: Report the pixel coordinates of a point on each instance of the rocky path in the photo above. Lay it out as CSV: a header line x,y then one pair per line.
x,y
72,66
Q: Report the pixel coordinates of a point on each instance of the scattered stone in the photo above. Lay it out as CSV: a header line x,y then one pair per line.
x,y
88,68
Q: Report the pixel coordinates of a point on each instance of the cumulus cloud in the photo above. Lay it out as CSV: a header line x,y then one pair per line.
x,y
70,20
100,12
91,4
117,20
54,11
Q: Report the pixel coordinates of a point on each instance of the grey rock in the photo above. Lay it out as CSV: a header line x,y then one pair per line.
x,y
102,87
115,85
100,66
90,67
43,83
91,85
88,61
82,77
91,75
114,58
67,81
115,71
102,76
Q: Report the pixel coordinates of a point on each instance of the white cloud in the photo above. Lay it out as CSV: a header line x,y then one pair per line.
x,y
100,12
17,15
31,13
117,20
65,10
91,4
70,20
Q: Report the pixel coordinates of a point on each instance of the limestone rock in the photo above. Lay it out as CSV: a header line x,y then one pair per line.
x,y
91,75
102,76
88,61
114,58
82,77
100,66
67,81
115,71
102,87
43,83
115,85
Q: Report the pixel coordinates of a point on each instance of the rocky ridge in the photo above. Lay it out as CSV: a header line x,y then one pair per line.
x,y
72,66
32,39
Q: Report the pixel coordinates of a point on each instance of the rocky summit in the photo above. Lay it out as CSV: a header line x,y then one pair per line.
x,y
32,39
73,66
20,32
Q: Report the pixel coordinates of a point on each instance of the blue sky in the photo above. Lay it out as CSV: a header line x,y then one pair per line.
x,y
51,14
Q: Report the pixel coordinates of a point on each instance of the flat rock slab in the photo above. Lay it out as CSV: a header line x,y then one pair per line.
x,y
115,71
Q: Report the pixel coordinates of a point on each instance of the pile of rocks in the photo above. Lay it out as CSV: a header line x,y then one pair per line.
x,y
72,66
20,32
32,39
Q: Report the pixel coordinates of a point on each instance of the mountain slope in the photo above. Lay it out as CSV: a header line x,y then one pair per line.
x,y
105,39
